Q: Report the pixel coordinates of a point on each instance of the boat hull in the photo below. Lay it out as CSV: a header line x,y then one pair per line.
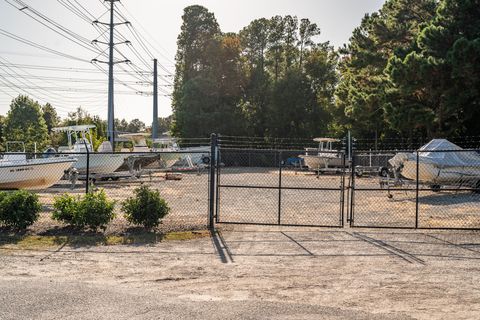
x,y
99,163
33,175
320,162
434,174
137,161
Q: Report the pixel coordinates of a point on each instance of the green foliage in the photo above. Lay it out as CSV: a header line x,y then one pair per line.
x,y
50,116
19,209
25,122
362,96
93,211
147,208
438,79
65,209
164,124
235,84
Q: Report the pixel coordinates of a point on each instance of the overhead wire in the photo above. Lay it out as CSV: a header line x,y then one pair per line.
x,y
39,46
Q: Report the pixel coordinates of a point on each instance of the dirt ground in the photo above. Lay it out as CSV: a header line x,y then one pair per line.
x,y
251,273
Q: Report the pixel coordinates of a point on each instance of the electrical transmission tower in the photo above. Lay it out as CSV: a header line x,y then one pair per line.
x,y
111,44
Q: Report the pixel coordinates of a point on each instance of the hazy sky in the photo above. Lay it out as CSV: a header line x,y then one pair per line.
x,y
158,21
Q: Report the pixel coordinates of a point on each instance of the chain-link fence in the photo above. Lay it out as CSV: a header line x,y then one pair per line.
x,y
181,177
415,188
425,188
280,187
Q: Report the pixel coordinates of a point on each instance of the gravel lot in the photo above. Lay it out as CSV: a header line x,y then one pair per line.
x,y
251,273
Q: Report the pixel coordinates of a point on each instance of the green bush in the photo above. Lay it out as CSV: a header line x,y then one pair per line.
x,y
94,210
19,209
147,208
65,208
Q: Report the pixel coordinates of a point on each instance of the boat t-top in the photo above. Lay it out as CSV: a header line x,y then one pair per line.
x,y
80,143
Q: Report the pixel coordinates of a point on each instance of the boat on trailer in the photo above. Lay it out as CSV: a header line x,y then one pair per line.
x,y
80,144
18,172
324,156
172,155
140,155
440,162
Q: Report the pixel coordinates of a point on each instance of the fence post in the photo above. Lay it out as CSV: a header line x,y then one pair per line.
x,y
342,194
88,167
211,204
416,192
279,185
352,188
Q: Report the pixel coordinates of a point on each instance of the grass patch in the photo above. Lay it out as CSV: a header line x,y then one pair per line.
x,y
31,242
186,235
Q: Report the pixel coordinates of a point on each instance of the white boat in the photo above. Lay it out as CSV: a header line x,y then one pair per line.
x,y
171,155
324,156
440,162
18,172
79,141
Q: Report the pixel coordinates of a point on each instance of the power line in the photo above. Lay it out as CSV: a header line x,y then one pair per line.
x,y
145,39
18,76
66,69
54,26
39,46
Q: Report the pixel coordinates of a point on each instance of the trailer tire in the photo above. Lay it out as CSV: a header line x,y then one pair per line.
x,y
206,160
383,172
435,187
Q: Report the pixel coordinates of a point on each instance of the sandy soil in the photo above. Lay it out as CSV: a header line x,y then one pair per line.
x,y
251,273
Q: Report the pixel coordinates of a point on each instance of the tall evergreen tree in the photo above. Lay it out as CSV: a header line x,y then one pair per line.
x,y
361,94
440,78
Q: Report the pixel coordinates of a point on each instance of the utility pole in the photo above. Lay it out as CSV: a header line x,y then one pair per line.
x,y
111,62
111,113
155,101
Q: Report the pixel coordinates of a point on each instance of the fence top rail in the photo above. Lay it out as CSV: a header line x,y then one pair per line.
x,y
132,153
278,150
357,151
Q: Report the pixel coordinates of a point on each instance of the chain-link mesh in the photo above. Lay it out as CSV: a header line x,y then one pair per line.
x,y
280,187
181,177
416,189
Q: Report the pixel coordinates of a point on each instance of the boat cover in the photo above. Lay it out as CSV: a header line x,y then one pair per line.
x,y
445,153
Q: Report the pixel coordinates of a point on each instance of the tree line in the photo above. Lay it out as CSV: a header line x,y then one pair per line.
x,y
411,69
32,123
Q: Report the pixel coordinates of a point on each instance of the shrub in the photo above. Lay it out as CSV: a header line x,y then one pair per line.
x,y
19,209
65,208
94,210
147,208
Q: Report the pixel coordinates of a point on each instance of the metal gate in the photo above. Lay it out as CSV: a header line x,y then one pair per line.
x,y
271,187
413,201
